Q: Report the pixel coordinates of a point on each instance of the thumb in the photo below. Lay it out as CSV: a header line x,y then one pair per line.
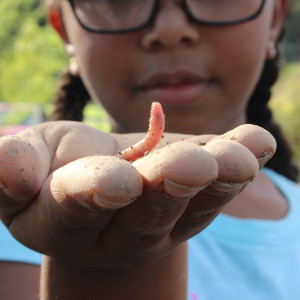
x,y
22,172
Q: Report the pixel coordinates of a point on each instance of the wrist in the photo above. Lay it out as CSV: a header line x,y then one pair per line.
x,y
164,279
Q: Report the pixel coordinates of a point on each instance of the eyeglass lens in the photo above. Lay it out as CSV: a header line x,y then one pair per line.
x,y
126,14
113,14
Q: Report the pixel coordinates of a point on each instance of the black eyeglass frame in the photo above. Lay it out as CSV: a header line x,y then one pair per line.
x,y
153,15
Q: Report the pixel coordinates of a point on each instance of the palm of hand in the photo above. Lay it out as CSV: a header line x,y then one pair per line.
x,y
67,194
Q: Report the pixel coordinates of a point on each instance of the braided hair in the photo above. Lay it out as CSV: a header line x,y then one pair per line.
x,y
70,98
260,114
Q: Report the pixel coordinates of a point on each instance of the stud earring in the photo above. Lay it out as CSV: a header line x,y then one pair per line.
x,y
272,51
73,66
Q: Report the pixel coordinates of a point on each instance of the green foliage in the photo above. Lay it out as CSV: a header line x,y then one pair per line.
x,y
31,69
96,116
291,45
32,55
12,15
286,105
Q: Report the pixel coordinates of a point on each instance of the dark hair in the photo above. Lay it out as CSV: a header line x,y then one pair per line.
x,y
70,99
72,96
260,114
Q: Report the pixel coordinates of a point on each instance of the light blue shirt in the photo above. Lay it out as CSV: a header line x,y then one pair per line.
x,y
232,259
248,259
12,250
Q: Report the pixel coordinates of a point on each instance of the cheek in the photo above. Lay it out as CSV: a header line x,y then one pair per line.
x,y
109,76
102,67
245,51
102,59
241,61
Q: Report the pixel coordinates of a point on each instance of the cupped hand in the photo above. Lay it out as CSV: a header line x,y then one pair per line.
x,y
65,192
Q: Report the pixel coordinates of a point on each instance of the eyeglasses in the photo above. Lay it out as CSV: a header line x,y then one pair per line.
x,y
121,16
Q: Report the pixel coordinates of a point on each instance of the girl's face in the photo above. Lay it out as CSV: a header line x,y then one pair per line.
x,y
203,76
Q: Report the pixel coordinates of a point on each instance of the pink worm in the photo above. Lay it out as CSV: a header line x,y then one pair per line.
x,y
154,134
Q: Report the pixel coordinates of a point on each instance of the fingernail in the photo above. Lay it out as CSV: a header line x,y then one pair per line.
x,y
175,190
265,156
100,201
218,187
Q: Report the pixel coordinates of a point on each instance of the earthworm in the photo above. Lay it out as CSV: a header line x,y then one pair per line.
x,y
154,134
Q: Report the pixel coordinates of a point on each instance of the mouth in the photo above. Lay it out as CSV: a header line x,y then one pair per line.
x,y
174,88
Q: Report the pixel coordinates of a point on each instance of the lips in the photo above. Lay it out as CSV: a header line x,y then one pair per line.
x,y
174,88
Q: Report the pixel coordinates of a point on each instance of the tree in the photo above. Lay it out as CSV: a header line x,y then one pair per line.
x,y
291,45
32,55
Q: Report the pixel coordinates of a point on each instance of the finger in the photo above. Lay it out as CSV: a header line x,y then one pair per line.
x,y
23,168
68,141
237,167
27,159
107,182
258,140
237,164
171,175
67,208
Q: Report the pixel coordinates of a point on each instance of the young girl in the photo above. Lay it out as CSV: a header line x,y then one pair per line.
x,y
115,230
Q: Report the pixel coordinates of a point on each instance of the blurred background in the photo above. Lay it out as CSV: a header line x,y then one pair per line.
x,y
32,57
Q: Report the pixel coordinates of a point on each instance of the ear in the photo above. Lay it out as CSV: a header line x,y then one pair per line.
x,y
279,15
55,19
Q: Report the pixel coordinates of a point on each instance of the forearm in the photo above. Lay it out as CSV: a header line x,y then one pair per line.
x,y
19,281
164,279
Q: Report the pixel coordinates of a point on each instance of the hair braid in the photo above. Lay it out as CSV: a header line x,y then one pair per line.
x,y
260,114
70,98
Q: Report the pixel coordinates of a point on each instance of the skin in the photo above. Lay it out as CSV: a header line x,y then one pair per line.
x,y
168,196
14,275
163,199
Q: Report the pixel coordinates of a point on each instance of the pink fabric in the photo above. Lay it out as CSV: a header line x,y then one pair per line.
x,y
11,130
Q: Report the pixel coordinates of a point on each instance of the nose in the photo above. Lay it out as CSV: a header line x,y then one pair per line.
x,y
170,28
